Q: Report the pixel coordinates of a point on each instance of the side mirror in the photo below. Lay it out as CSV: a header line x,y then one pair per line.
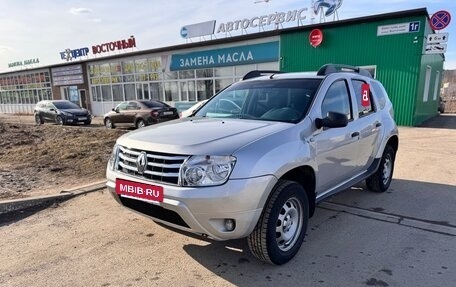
x,y
114,110
333,120
52,109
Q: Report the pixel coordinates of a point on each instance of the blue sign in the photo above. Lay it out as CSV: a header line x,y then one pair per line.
x,y
184,32
440,20
241,55
414,26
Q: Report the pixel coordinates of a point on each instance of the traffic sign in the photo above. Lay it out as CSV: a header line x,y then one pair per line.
x,y
435,49
440,20
437,38
315,37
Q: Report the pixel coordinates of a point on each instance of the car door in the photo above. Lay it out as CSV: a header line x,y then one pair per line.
x,y
335,148
118,117
130,113
50,112
368,123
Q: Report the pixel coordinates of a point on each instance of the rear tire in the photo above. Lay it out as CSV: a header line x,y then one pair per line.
x,y
140,124
282,226
381,179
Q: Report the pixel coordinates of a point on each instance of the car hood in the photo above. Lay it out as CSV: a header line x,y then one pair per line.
x,y
200,136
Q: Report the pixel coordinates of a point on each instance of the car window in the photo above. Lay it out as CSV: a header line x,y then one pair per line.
x,y
122,107
285,100
380,94
49,106
154,104
132,106
363,97
337,99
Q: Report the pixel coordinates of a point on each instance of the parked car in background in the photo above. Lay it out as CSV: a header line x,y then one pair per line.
x,y
441,107
139,114
188,112
61,112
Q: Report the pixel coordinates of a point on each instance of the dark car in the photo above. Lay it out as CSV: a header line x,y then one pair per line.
x,y
139,114
61,112
441,107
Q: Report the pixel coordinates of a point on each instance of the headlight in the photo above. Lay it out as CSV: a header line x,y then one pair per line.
x,y
67,114
113,157
206,170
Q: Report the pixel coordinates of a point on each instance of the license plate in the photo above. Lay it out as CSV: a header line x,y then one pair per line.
x,y
167,113
82,119
139,190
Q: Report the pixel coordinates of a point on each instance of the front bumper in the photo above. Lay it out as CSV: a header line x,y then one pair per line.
x,y
203,210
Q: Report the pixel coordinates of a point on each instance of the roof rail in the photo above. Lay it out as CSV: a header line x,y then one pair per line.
x,y
336,68
259,73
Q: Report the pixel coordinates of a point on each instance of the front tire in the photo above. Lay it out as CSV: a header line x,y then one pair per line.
x,y
381,179
282,226
38,120
108,123
59,121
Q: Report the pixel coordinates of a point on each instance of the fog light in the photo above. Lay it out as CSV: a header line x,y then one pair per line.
x,y
230,224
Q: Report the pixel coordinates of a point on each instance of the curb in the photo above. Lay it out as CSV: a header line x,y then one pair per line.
x,y
23,203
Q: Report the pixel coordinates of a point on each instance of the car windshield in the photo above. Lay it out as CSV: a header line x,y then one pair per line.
x,y
65,105
276,100
154,104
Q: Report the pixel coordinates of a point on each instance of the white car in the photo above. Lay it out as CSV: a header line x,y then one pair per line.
x,y
188,112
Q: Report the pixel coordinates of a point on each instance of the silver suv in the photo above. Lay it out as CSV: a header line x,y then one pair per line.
x,y
256,159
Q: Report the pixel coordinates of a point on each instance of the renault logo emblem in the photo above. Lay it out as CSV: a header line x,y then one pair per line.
x,y
141,162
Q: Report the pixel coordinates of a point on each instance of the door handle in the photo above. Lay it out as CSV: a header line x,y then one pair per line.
x,y
355,134
378,124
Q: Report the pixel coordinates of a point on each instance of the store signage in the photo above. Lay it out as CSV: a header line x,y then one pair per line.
x,y
440,20
113,46
68,75
199,29
23,63
330,5
241,55
70,54
315,37
437,38
261,21
401,28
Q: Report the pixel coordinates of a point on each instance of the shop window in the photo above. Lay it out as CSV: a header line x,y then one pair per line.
x,y
204,89
117,93
98,93
187,74
130,92
204,73
155,64
427,82
106,93
171,91
223,72
128,67
156,91
436,85
141,66
220,84
115,68
171,75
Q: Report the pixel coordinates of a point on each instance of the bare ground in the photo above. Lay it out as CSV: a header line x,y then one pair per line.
x,y
38,160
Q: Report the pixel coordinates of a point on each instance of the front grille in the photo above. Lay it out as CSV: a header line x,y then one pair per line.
x,y
160,167
154,211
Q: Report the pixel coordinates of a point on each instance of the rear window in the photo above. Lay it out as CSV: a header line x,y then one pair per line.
x,y
154,104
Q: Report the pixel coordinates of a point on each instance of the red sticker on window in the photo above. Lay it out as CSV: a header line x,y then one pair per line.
x,y
365,99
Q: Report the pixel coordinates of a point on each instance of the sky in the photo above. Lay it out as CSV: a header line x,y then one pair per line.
x,y
43,29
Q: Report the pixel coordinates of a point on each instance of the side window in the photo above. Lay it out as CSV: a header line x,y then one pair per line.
x,y
122,107
132,106
337,99
49,106
380,94
363,97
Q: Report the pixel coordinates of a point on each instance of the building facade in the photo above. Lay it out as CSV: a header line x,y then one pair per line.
x,y
391,46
